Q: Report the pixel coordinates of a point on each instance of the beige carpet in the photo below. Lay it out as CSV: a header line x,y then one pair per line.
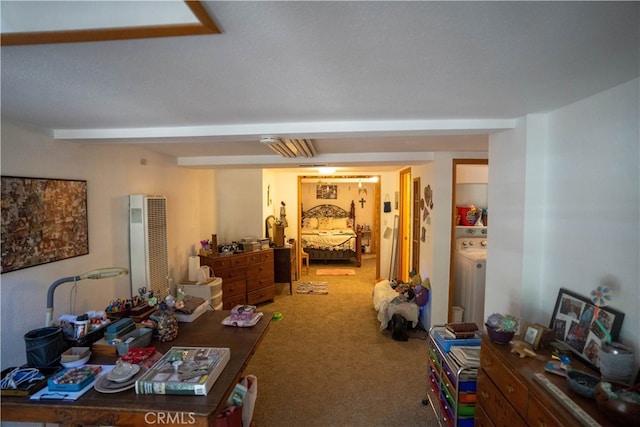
x,y
335,272
326,363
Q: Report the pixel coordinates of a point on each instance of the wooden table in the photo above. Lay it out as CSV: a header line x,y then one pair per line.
x,y
130,409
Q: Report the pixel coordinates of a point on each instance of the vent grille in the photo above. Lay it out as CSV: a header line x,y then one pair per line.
x,y
149,264
157,241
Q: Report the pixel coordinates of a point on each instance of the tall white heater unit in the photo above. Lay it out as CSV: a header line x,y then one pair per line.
x,y
148,244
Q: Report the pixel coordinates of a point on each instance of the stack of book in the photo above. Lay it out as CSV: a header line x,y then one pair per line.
x,y
461,330
466,356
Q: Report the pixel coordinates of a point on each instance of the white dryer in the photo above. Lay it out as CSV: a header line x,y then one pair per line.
x,y
469,277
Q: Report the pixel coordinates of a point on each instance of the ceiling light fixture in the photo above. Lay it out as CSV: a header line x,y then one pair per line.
x,y
290,147
327,171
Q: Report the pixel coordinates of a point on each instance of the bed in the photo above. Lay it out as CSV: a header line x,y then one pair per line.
x,y
387,302
328,232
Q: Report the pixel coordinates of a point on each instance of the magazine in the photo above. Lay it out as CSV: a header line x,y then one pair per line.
x,y
184,370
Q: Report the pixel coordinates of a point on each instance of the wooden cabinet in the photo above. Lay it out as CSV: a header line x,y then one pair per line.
x,y
247,278
509,395
285,265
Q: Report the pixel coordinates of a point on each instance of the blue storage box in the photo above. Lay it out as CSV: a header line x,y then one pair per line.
x,y
445,343
72,379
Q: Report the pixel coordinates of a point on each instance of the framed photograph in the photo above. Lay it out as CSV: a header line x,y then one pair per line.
x,y
43,220
326,191
583,326
535,334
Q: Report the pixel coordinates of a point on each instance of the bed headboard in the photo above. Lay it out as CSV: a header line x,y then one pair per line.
x,y
330,211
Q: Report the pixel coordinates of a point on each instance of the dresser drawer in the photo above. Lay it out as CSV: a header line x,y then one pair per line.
x,y
260,269
218,263
481,418
254,257
239,260
231,289
495,404
537,415
514,391
261,295
229,303
259,282
232,274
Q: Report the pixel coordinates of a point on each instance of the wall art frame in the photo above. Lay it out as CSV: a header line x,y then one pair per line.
x,y
326,191
581,325
43,220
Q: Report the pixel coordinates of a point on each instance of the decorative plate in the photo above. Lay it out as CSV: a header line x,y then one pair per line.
x,y
104,385
122,372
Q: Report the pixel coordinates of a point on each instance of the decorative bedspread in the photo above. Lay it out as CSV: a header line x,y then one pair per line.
x,y
388,302
344,239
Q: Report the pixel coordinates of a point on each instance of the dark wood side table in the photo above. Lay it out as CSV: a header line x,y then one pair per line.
x,y
285,265
130,409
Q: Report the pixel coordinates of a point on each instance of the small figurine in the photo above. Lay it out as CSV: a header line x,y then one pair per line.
x,y
522,349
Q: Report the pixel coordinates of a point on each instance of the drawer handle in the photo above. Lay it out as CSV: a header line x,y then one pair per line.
x,y
484,394
510,389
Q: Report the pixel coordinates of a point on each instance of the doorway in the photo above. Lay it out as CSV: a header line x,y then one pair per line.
x,y
415,234
363,190
469,180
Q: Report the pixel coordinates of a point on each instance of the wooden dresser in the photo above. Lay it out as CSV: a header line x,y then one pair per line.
x,y
247,278
509,395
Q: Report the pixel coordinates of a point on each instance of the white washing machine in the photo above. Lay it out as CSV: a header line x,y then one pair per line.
x,y
469,278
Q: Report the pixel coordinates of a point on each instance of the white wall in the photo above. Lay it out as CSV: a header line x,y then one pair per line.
x,y
112,173
426,173
577,195
240,204
507,160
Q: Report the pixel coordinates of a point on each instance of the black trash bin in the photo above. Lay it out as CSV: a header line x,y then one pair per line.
x,y
44,347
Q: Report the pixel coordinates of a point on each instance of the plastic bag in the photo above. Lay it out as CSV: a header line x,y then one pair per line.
x,y
249,401
242,399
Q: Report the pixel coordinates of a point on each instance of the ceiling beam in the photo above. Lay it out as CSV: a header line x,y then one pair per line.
x,y
205,25
308,130
275,161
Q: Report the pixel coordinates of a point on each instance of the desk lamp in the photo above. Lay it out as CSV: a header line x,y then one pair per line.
x,y
100,273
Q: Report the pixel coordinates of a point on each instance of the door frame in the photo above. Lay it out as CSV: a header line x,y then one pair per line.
x,y
404,225
415,220
375,232
454,213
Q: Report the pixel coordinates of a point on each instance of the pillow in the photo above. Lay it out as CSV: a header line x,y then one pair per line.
x,y
338,223
310,223
324,223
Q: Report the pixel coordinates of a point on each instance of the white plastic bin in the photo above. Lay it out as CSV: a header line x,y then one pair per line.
x,y
458,312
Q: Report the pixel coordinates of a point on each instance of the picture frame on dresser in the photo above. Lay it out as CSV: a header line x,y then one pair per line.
x,y
583,326
536,335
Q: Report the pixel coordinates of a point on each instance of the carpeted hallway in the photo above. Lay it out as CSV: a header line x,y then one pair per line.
x,y
326,363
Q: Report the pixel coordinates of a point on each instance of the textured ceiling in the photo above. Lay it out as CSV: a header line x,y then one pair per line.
x,y
355,77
